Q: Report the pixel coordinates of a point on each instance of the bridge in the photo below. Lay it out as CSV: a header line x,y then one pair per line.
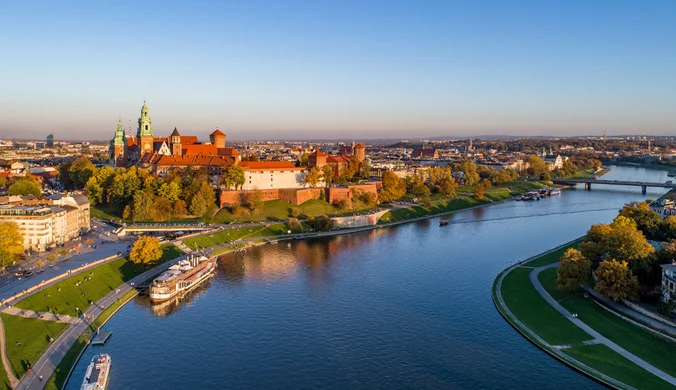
x,y
163,227
588,183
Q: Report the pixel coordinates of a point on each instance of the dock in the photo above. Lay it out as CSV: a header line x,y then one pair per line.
x,y
101,337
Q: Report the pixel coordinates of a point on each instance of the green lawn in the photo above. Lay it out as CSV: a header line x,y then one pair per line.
x,y
227,236
27,339
616,366
653,350
443,206
65,296
4,381
552,257
548,280
105,212
530,308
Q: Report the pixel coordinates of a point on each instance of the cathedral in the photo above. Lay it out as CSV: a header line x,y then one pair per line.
x,y
175,151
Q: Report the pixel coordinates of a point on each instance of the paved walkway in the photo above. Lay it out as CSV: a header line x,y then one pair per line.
x,y
599,338
39,315
46,364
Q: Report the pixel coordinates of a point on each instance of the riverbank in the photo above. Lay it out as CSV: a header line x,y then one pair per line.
x,y
595,342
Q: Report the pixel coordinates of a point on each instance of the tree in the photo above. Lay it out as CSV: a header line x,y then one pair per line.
x,y
480,188
25,187
162,209
11,242
573,270
80,171
98,185
252,200
620,240
146,250
364,170
422,192
328,175
343,205
202,200
180,209
469,170
394,187
615,281
448,187
143,209
170,191
233,177
3,182
312,177
536,166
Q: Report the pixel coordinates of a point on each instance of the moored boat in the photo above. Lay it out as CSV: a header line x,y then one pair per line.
x,y
554,192
98,373
182,276
443,223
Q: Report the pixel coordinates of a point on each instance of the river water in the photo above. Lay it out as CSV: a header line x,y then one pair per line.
x,y
402,307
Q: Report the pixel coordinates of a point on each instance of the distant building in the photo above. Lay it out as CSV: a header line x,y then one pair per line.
x,y
669,280
423,153
663,207
50,141
40,145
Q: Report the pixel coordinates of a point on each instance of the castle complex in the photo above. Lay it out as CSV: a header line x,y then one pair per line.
x,y
160,154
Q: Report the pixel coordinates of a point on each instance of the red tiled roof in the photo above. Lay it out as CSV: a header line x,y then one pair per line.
x,y
318,153
228,152
267,165
337,159
194,150
359,146
188,139
194,160
217,132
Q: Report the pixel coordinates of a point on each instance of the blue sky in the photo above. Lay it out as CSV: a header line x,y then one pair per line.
x,y
343,69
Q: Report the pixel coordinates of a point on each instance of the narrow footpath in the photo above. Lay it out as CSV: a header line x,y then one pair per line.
x,y
13,380
598,338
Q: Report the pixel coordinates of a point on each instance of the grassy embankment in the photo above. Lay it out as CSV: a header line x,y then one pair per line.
x,y
27,338
639,342
79,290
494,194
528,306
58,378
228,236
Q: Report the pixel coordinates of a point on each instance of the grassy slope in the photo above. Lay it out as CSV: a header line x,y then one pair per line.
x,y
530,308
550,258
653,350
104,279
4,381
27,339
616,366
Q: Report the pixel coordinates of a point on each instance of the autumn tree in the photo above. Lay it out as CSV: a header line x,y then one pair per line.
x,y
142,209
180,209
313,177
620,240
448,187
614,280
98,184
327,175
80,171
469,170
394,187
170,191
480,188
573,270
11,242
3,182
536,166
25,186
146,250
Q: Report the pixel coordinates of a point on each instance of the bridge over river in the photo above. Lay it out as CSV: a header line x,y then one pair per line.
x,y
588,183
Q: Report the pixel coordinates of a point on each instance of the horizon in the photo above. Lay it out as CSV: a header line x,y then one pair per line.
x,y
339,70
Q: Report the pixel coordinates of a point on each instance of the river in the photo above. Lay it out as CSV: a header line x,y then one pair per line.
x,y
402,307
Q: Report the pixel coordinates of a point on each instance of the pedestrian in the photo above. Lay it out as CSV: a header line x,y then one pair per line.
x,y
40,378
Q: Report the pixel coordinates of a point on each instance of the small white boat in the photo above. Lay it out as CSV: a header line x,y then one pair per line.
x,y
554,192
98,373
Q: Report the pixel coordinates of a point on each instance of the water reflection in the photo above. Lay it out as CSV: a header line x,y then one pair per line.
x,y
173,305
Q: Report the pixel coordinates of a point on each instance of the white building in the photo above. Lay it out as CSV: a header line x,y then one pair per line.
x,y
668,280
664,207
266,175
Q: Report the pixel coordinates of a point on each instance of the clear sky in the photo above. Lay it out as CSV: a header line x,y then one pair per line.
x,y
338,69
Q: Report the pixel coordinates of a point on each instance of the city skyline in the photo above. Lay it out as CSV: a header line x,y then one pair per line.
x,y
339,70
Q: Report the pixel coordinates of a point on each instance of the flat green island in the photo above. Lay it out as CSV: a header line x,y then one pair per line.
x,y
526,310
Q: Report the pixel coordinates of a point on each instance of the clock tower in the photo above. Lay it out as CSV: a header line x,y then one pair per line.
x,y
145,132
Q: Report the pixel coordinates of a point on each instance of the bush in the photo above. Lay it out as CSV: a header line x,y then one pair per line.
x,y
293,223
343,205
295,212
368,198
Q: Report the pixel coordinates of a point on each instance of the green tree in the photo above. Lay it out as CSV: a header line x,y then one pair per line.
x,y
11,242
252,200
202,200
313,176
303,159
99,184
162,209
25,186
180,209
343,204
146,250
143,209
573,270
614,280
233,177
3,182
364,170
80,171
422,192
469,170
170,191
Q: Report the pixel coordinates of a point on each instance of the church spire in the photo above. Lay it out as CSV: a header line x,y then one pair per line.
x,y
145,124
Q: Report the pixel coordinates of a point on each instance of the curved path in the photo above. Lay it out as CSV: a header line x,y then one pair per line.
x,y
598,338
13,380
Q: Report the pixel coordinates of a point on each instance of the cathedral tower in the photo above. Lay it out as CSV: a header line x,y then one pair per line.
x,y
145,132
360,151
175,140
118,144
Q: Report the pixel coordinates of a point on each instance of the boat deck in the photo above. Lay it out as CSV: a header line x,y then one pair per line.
x,y
102,337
